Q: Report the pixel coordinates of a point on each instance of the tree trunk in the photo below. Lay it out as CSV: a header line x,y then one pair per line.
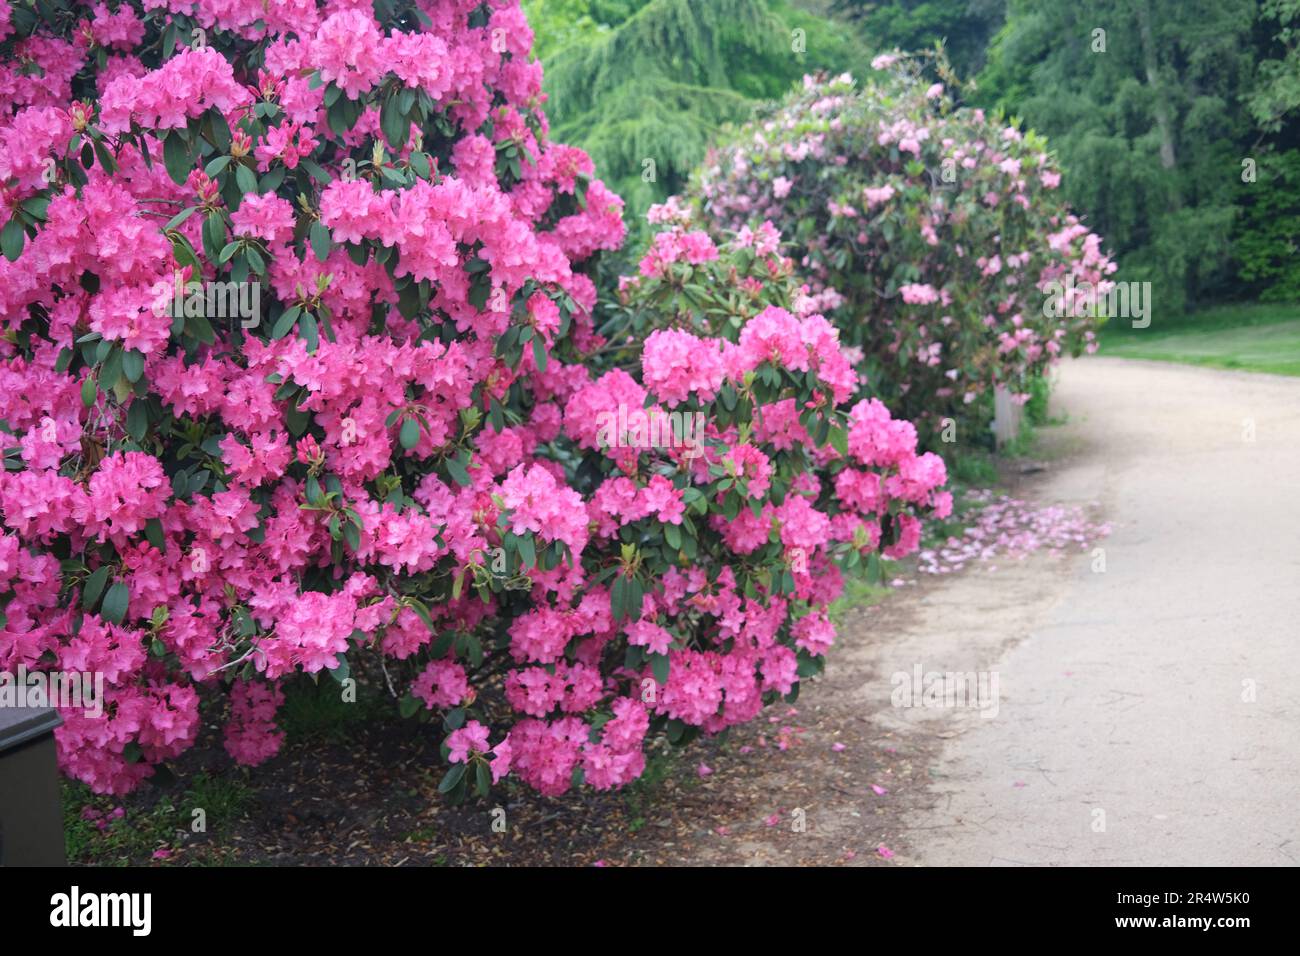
x,y
1167,157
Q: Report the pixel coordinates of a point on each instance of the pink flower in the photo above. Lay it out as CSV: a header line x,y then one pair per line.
x,y
268,216
676,365
875,195
918,294
650,636
441,685
472,738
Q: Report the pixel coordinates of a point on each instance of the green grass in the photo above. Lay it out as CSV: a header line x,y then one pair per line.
x,y
860,591
1262,337
132,838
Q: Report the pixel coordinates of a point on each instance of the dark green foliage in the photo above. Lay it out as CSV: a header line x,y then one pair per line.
x,y
1267,230
643,84
1277,94
1149,121
965,27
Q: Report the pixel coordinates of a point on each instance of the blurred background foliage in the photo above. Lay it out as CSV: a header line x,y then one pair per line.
x,y
1174,120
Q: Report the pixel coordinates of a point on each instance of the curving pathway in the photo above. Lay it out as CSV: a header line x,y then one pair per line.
x,y
1149,712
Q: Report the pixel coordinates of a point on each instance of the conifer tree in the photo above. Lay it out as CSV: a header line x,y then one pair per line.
x,y
645,84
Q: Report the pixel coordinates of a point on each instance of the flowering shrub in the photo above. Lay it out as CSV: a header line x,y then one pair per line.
x,y
300,372
930,234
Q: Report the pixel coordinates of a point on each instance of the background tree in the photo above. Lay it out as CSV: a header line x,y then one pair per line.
x,y
1145,102
643,85
1269,221
966,27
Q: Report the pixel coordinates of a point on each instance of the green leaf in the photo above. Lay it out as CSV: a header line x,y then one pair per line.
x,y
199,327
88,391
395,124
220,130
352,535
659,667
132,365
635,597
840,441
314,171
285,322
176,157
116,602
408,706
272,180
94,587
539,353
153,533
12,238
409,436
184,253
482,778
875,574
618,598
453,777
245,179
180,217
310,332
341,671
37,206
319,236
111,370
673,535
137,420
527,551
458,472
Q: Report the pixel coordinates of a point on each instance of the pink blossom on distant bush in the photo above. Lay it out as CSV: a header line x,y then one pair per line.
x,y
929,233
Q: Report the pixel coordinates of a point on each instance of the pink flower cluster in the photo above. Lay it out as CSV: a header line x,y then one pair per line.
x,y
405,452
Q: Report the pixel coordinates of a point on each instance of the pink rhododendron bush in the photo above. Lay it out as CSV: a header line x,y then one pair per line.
x,y
931,235
300,375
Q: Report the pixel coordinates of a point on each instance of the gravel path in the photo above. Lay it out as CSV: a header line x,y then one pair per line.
x,y
1148,712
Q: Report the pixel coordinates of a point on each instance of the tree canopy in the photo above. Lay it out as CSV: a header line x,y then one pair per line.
x,y
643,85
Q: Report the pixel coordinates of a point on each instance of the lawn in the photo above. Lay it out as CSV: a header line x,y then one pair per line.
x,y
1254,338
